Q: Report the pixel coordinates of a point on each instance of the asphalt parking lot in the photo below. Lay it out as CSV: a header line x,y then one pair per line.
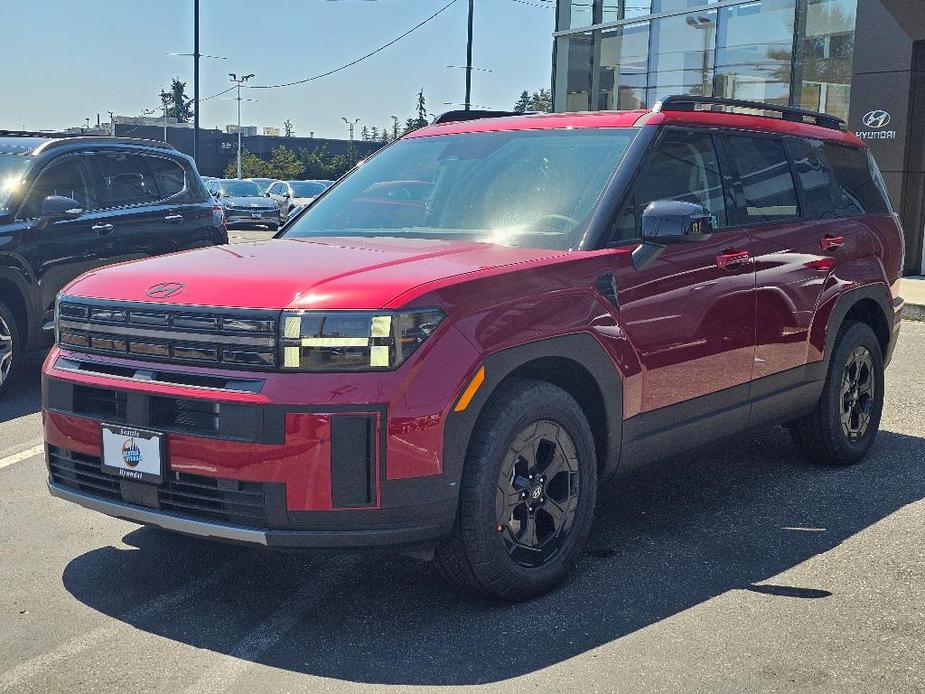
x,y
737,568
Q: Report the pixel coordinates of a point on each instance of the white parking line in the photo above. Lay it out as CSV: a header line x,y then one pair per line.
x,y
21,456
12,679
248,650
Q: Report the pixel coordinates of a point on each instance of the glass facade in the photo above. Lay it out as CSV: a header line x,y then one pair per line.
x,y
625,54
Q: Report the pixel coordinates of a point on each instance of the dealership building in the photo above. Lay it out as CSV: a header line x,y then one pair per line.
x,y
861,60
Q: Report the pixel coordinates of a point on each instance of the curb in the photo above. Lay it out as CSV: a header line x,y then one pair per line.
x,y
914,312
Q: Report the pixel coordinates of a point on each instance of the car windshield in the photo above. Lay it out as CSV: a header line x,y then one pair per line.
x,y
240,189
532,188
306,189
13,169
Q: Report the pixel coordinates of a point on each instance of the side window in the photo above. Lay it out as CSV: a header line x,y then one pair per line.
x,y
127,179
768,190
275,189
815,177
857,191
683,166
168,175
67,177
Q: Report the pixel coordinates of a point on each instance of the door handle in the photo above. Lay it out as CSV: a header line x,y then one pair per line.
x,y
831,241
173,218
102,229
730,258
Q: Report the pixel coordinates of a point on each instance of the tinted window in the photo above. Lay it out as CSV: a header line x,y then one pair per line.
x,y
767,183
13,168
684,167
67,178
169,176
127,179
306,189
857,191
239,189
276,189
815,177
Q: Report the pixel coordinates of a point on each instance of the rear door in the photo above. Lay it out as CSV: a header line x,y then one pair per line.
x,y
190,220
798,236
691,313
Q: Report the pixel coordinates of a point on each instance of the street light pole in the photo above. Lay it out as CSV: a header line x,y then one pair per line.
x,y
238,83
469,56
196,79
350,127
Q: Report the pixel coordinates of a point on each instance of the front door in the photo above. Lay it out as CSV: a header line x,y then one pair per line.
x,y
691,313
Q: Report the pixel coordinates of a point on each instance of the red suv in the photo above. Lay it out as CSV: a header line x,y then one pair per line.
x,y
453,373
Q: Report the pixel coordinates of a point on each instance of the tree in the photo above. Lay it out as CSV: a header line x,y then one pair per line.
x,y
385,134
285,164
252,166
374,134
287,128
523,103
364,134
537,101
179,106
420,120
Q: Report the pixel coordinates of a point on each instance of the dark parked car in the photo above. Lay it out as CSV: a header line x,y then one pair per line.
x,y
244,204
69,205
453,378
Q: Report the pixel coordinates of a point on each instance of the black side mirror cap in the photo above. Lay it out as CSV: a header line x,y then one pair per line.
x,y
56,208
672,221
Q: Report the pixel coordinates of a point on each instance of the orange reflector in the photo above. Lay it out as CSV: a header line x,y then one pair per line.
x,y
471,390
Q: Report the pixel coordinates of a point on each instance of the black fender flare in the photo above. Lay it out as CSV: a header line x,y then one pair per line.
x,y
843,304
581,348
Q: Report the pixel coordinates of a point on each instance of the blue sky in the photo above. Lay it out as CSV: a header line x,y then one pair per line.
x,y
70,60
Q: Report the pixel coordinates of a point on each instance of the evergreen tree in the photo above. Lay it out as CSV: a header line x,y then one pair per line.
x,y
284,164
523,103
252,166
364,134
179,106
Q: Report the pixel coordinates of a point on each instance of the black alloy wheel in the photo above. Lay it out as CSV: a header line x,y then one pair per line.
x,y
858,389
537,493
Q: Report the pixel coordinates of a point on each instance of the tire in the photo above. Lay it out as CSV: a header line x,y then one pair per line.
x,y
10,347
487,553
845,422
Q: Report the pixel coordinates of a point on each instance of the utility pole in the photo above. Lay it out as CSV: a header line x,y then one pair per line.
x,y
195,79
394,127
350,125
239,81
469,57
165,99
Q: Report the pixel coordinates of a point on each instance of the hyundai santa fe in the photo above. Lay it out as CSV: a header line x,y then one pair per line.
x,y
452,374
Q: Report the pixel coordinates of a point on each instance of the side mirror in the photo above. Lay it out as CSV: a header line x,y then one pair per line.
x,y
56,208
670,221
286,194
666,222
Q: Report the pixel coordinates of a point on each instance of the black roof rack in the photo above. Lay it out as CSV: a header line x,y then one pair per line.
x,y
688,102
475,114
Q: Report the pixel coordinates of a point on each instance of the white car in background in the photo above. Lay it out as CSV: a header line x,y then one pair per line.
x,y
292,194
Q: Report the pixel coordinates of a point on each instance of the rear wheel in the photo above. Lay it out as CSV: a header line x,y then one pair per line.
x,y
527,495
845,422
9,347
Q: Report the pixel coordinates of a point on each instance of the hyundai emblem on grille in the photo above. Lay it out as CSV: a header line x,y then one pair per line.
x,y
164,290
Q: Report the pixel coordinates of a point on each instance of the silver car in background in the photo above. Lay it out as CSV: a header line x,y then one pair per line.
x,y
289,195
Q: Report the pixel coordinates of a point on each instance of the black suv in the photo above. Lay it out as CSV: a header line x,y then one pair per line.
x,y
68,205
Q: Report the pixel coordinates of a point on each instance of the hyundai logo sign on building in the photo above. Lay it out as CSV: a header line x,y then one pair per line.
x,y
876,120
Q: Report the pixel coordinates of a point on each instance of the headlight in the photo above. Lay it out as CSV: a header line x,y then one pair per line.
x,y
353,340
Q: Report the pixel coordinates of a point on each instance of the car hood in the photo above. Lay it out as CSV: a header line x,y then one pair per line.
x,y
322,273
259,203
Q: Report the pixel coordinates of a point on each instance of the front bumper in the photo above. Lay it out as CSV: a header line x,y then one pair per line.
x,y
242,217
416,533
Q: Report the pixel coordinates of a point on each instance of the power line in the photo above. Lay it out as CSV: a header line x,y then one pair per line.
x,y
544,6
358,60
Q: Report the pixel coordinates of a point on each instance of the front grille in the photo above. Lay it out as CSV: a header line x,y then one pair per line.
x,y
193,496
209,337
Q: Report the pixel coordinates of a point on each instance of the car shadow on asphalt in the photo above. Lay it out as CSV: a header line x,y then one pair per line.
x,y
667,538
24,396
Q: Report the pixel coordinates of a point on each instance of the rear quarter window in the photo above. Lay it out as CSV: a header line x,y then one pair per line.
x,y
857,191
168,175
815,177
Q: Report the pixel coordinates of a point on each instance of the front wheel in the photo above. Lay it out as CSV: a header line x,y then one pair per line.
x,y
845,422
9,347
527,495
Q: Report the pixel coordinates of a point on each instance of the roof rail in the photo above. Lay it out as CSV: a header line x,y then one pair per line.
x,y
106,140
35,133
475,114
688,102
